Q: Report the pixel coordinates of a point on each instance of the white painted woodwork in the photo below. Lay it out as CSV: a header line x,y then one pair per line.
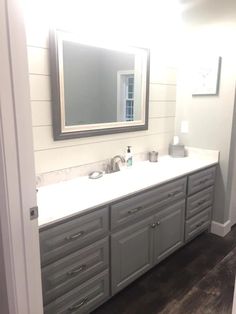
x,y
163,109
17,179
41,113
72,156
43,135
162,92
39,87
38,60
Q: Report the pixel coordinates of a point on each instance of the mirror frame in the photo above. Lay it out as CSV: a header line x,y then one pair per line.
x,y
57,116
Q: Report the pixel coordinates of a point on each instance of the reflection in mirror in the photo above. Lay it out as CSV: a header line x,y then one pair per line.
x,y
97,89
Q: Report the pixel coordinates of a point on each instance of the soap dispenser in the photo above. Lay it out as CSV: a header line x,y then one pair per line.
x,y
128,157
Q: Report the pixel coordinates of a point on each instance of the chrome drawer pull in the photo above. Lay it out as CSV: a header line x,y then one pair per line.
x,y
203,181
75,236
135,210
171,194
201,202
200,224
76,271
77,306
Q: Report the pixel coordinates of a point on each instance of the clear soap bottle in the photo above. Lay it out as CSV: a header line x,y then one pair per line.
x,y
129,157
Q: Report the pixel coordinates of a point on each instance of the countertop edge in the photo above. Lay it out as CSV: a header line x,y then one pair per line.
x,y
86,210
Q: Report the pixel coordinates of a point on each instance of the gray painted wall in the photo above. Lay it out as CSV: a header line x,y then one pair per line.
x,y
91,75
210,117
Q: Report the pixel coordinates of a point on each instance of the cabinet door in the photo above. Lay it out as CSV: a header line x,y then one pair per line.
x,y
131,253
169,230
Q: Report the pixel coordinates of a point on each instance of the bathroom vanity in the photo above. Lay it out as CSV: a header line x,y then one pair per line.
x,y
97,236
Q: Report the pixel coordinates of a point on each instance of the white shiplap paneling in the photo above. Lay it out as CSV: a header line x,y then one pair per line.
x,y
39,87
72,156
158,109
43,135
162,74
38,61
162,92
41,113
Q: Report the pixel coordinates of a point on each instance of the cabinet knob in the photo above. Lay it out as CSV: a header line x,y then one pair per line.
x,y
153,225
158,223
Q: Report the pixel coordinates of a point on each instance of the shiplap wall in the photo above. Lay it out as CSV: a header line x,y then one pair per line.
x,y
53,155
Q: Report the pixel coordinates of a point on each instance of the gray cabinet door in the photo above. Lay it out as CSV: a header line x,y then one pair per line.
x,y
131,253
169,230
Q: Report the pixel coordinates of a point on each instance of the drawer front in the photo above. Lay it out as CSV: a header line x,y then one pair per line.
x,y
197,224
128,210
199,201
201,180
82,299
64,238
74,269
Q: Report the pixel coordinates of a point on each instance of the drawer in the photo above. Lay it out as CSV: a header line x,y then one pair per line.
x,y
201,180
82,299
128,210
199,201
197,224
72,270
62,239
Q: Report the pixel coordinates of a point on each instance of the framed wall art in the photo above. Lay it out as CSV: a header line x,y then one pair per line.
x,y
206,76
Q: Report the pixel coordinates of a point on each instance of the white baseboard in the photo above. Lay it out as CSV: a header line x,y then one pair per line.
x,y
220,229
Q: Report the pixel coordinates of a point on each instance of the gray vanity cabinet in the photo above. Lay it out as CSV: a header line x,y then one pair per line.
x,y
131,253
169,230
137,248
82,299
75,263
199,202
90,257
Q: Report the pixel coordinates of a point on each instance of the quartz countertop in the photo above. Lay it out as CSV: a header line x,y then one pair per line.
x,y
64,199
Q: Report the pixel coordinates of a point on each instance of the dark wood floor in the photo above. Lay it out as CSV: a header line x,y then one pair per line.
x,y
197,279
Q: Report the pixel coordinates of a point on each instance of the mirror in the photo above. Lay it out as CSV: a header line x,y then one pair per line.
x,y
97,89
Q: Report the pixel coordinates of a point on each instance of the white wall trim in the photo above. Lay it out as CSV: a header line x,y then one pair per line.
x,y
234,300
220,229
20,237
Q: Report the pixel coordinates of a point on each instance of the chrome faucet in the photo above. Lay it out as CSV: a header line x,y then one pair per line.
x,y
115,163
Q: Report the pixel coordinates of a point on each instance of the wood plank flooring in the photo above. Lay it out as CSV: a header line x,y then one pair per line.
x,y
197,279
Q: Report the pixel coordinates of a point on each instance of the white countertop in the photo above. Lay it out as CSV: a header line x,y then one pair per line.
x,y
67,198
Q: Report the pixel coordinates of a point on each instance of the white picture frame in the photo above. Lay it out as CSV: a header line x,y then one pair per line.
x,y
206,76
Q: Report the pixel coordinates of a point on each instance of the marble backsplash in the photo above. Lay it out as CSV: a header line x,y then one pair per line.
x,y
57,176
